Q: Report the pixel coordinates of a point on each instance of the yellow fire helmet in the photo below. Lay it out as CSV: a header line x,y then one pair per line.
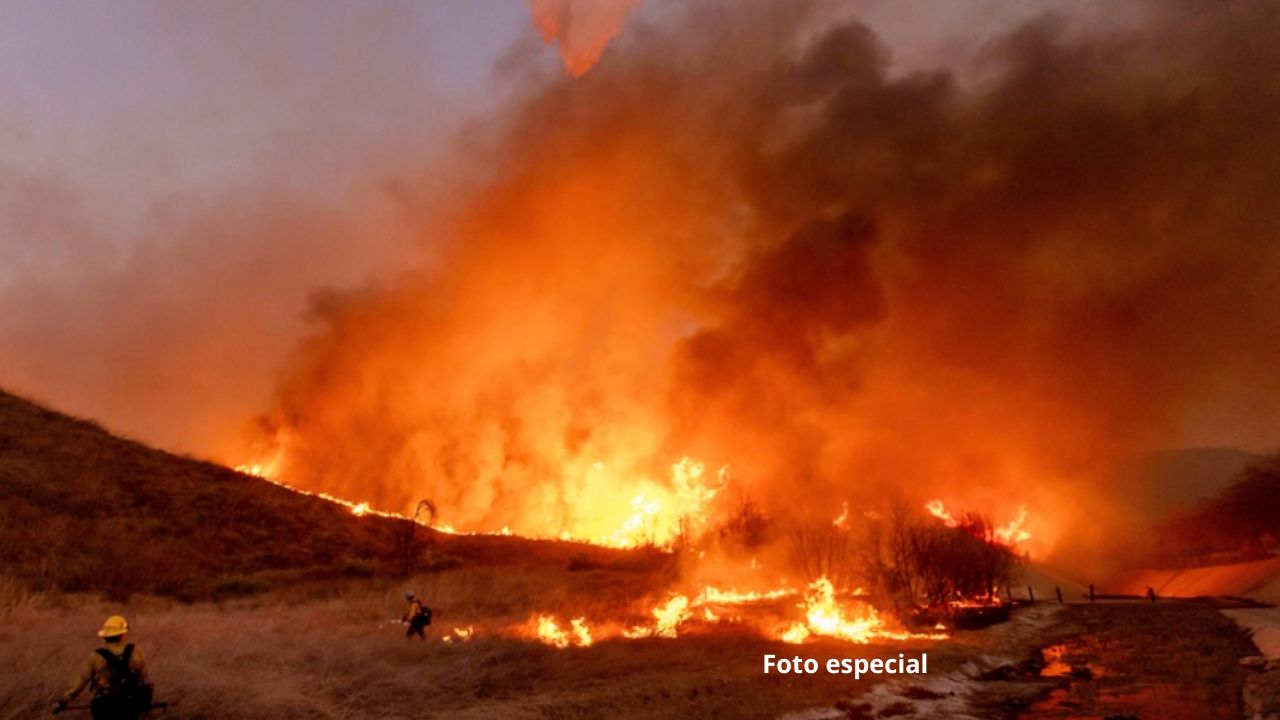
x,y
115,626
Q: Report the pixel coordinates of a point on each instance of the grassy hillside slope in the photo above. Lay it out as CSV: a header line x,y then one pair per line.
x,y
83,510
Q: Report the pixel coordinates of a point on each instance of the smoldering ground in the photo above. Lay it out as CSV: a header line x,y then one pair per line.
x,y
742,238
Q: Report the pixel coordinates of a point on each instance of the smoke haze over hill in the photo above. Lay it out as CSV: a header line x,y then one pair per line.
x,y
760,248
766,236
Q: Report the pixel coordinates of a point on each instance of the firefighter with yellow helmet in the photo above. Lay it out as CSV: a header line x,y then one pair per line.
x,y
417,617
115,673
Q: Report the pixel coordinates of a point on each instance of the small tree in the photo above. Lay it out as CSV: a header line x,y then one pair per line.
x,y
820,549
917,559
407,540
747,526
889,560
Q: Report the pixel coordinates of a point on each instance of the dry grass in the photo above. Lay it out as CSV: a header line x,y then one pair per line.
x,y
276,655
295,604
84,511
338,652
81,509
283,655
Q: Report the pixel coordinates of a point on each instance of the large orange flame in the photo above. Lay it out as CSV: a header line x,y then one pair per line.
x,y
655,516
1010,534
548,631
856,622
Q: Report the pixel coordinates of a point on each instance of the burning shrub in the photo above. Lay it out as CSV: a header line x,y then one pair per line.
x,y
964,561
747,526
822,549
926,561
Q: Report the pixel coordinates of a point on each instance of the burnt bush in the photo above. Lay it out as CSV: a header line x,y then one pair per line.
x,y
747,526
821,549
912,559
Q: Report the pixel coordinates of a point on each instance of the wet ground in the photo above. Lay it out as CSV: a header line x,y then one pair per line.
x,y
1109,661
1172,661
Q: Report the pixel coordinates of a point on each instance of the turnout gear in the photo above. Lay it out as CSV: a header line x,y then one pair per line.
x,y
115,674
418,618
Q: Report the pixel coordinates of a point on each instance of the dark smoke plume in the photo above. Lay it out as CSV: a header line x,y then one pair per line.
x,y
752,243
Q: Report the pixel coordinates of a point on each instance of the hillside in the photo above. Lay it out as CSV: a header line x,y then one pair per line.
x,y
84,510
1167,482
1143,493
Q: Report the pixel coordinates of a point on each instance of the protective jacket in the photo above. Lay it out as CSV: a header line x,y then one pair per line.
x,y
95,672
415,610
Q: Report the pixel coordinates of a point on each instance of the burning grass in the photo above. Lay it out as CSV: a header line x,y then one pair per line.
x,y
952,560
305,619
84,511
341,654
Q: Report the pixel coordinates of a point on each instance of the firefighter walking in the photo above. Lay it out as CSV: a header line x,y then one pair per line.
x,y
417,617
116,674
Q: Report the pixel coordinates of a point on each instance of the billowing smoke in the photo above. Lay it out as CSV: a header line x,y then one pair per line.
x,y
175,181
744,241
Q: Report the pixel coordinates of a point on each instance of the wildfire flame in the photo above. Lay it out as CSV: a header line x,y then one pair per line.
x,y
266,471
1010,534
461,634
658,516
581,28
667,618
938,510
844,515
711,595
826,617
1013,533
549,632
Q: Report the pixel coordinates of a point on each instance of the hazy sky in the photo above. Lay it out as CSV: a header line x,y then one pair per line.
x,y
132,100
156,159
177,179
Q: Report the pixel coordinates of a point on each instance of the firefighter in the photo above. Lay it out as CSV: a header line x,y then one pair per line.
x,y
418,617
116,674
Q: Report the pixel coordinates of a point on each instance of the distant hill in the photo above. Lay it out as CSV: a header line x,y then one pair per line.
x,y
84,510
1167,482
1158,494
1138,495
